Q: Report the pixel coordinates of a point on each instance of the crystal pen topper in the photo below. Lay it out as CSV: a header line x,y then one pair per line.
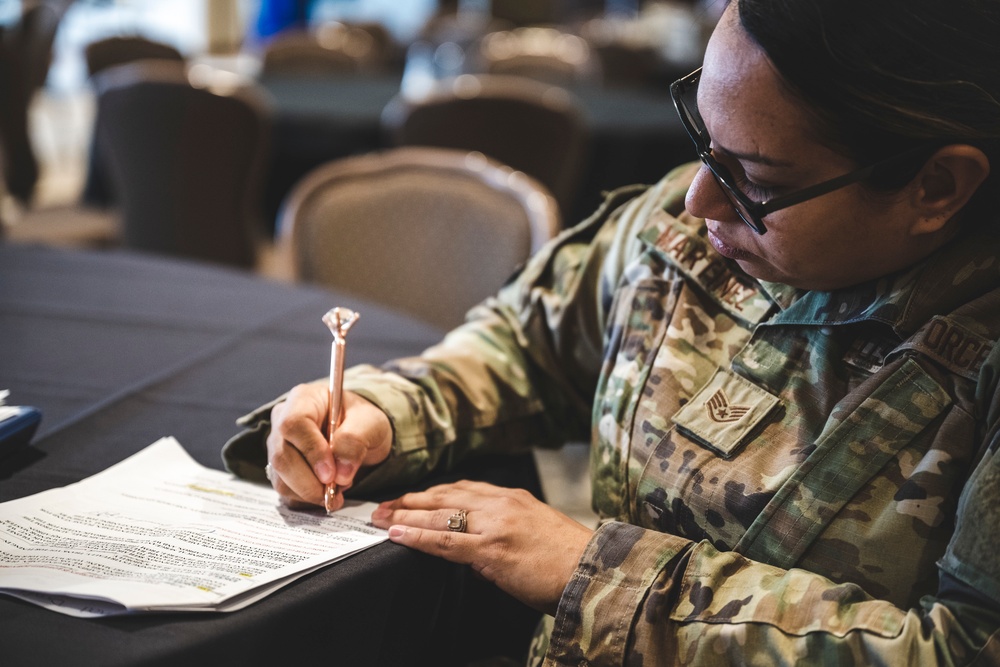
x,y
339,320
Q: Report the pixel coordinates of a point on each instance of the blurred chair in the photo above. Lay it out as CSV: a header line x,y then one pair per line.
x,y
384,52
332,48
119,50
462,28
99,56
34,36
629,51
628,65
185,162
545,54
531,12
18,163
427,231
25,57
531,126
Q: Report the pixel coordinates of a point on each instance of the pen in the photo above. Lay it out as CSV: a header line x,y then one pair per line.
x,y
339,320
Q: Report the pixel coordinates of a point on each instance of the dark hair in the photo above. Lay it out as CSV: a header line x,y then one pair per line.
x,y
884,76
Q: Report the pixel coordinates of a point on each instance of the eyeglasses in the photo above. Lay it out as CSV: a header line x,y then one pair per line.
x,y
683,92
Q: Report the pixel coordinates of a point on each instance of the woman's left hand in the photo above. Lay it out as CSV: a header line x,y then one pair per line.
x,y
511,538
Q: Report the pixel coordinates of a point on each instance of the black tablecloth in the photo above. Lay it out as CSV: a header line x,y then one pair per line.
x,y
635,134
118,350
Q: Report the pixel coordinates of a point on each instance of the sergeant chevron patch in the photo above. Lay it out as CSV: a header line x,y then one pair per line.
x,y
725,413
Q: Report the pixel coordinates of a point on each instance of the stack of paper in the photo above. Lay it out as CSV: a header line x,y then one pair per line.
x,y
159,532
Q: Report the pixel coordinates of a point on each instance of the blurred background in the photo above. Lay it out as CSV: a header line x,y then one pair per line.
x,y
618,55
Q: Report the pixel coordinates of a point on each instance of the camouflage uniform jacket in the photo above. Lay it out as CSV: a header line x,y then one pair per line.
x,y
784,477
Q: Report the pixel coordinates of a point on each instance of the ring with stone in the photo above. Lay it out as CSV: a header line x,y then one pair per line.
x,y
457,522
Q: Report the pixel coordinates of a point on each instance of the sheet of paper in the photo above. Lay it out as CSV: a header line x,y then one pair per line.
x,y
159,532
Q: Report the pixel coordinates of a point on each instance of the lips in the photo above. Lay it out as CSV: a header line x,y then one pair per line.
x,y
725,248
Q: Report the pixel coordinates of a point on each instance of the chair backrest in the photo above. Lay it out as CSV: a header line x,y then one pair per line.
x,y
18,164
25,57
332,48
546,54
185,162
536,12
371,41
119,50
34,36
461,28
427,231
528,125
628,52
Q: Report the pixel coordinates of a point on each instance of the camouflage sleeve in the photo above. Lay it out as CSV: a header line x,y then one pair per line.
x,y
645,598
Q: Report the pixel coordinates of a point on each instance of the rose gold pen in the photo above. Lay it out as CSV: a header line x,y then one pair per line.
x,y
339,320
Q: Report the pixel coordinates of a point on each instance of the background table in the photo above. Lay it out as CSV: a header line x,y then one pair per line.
x,y
118,350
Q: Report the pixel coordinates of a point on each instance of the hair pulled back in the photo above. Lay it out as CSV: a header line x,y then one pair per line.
x,y
884,76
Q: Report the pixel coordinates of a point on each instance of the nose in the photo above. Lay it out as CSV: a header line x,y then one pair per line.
x,y
705,198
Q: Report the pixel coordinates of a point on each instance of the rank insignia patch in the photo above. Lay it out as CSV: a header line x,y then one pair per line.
x,y
726,412
721,411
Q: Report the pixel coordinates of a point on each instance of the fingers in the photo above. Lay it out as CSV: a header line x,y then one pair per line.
x,y
384,517
421,520
430,511
464,494
428,531
289,497
292,477
450,545
299,421
296,448
302,459
364,437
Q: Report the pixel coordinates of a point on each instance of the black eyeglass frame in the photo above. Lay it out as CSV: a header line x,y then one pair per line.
x,y
752,212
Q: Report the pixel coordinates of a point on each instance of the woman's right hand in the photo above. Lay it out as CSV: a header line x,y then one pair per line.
x,y
302,462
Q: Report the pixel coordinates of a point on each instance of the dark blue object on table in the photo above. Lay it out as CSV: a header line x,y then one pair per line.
x,y
17,430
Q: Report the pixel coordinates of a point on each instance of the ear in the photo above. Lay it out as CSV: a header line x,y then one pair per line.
x,y
945,184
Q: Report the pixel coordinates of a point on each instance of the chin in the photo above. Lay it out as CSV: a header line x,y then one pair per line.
x,y
767,273
754,268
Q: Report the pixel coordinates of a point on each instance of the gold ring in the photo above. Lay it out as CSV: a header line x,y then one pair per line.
x,y
457,522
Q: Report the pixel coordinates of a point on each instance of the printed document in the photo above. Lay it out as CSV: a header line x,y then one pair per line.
x,y
160,532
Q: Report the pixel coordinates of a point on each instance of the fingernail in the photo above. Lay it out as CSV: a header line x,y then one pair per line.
x,y
396,532
345,472
324,472
380,513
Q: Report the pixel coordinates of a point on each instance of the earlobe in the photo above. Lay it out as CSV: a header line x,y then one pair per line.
x,y
946,182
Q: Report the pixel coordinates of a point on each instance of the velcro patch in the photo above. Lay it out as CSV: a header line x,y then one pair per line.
x,y
726,412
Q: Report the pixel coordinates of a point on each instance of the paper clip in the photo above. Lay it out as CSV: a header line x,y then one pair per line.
x,y
339,320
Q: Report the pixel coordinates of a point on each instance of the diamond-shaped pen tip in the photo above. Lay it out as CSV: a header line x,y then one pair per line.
x,y
339,320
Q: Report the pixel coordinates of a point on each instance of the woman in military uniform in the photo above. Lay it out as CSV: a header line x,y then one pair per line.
x,y
784,356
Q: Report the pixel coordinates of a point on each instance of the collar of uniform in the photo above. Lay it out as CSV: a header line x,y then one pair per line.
x,y
681,238
965,268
